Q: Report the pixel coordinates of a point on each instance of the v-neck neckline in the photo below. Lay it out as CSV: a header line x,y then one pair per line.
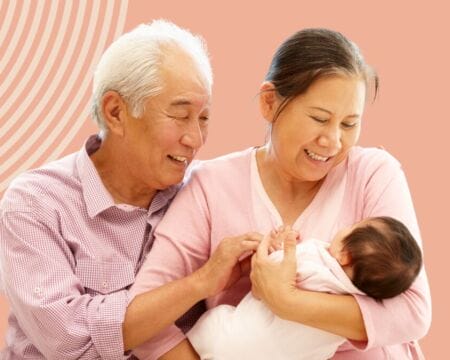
x,y
268,203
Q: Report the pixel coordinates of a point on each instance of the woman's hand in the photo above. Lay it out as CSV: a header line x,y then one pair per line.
x,y
226,265
271,279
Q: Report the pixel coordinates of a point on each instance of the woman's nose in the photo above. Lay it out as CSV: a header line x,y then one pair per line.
x,y
331,138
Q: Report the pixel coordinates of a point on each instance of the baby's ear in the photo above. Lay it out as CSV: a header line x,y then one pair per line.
x,y
344,258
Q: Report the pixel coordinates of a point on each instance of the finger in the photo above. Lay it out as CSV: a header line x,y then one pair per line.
x,y
253,236
247,245
263,248
253,264
290,243
246,242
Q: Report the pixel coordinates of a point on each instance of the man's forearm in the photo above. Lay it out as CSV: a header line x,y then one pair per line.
x,y
154,310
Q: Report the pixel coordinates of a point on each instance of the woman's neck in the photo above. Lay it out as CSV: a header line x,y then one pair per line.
x,y
290,196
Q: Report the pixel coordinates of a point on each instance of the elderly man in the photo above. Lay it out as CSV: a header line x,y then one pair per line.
x,y
75,232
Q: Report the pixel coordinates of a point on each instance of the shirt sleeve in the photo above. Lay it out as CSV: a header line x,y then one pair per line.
x,y
406,317
181,246
46,296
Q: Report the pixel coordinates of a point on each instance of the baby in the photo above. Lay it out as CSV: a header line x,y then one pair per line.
x,y
377,257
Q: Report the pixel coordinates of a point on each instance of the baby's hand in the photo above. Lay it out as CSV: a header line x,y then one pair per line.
x,y
276,238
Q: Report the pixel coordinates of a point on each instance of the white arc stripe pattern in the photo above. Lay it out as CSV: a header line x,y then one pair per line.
x,y
50,49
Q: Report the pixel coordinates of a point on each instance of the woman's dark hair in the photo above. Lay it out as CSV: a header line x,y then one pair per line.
x,y
311,54
384,257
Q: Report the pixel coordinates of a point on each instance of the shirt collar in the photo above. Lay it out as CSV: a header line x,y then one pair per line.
x,y
97,197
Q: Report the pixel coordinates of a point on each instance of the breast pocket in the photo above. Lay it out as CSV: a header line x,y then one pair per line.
x,y
104,277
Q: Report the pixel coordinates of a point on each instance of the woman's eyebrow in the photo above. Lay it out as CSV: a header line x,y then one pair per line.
x,y
330,113
321,109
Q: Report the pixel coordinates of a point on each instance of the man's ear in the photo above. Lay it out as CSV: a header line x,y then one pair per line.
x,y
268,101
114,112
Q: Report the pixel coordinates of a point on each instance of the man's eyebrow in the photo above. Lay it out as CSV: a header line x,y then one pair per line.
x,y
180,102
329,112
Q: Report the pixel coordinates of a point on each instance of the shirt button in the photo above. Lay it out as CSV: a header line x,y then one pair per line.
x,y
38,291
105,285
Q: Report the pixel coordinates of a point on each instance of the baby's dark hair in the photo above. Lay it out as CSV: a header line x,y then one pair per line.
x,y
384,256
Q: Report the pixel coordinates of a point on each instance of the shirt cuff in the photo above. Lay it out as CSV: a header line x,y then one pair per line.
x,y
105,319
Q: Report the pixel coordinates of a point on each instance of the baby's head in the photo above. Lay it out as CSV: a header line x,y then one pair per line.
x,y
380,256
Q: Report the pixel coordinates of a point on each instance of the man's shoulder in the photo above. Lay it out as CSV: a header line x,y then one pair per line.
x,y
38,186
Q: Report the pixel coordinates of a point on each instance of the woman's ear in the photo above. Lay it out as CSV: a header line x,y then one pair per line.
x,y
114,112
268,101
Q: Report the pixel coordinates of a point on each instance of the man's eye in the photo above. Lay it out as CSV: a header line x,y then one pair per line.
x,y
179,117
204,118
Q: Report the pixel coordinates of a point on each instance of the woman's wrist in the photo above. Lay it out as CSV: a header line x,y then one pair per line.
x,y
283,303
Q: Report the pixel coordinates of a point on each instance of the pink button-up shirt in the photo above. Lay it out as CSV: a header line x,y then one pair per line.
x,y
68,255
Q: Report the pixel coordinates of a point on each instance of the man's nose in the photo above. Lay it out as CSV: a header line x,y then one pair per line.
x,y
194,137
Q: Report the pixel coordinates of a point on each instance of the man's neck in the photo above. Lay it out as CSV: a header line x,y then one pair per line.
x,y
120,183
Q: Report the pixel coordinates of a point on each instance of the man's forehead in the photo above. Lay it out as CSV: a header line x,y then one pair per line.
x,y
192,99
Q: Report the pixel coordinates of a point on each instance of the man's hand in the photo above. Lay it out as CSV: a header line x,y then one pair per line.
x,y
226,265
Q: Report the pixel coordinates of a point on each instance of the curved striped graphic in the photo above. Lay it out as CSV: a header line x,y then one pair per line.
x,y
48,51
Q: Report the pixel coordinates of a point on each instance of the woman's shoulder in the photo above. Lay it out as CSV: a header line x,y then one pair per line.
x,y
226,165
369,159
225,176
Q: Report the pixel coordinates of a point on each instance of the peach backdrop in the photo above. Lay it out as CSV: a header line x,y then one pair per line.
x,y
48,50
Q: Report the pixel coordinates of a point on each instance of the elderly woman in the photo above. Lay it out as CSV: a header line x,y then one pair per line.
x,y
310,175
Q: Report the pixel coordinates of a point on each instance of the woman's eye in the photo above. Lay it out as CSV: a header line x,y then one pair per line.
x,y
348,126
319,120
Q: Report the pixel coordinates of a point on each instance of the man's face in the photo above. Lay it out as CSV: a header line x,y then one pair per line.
x,y
163,141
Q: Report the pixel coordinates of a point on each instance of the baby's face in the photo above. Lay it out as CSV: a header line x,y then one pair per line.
x,y
337,243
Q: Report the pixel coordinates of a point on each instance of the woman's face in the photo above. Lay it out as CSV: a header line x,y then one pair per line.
x,y
316,130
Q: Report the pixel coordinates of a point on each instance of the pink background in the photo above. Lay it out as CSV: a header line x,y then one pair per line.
x,y
407,43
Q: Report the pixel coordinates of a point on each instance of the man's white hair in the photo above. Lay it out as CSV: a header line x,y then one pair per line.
x,y
131,65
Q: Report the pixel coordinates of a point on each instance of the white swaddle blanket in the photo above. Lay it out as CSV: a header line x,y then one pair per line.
x,y
252,331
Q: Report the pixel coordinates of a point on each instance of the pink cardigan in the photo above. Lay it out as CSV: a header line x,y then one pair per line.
x,y
218,202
